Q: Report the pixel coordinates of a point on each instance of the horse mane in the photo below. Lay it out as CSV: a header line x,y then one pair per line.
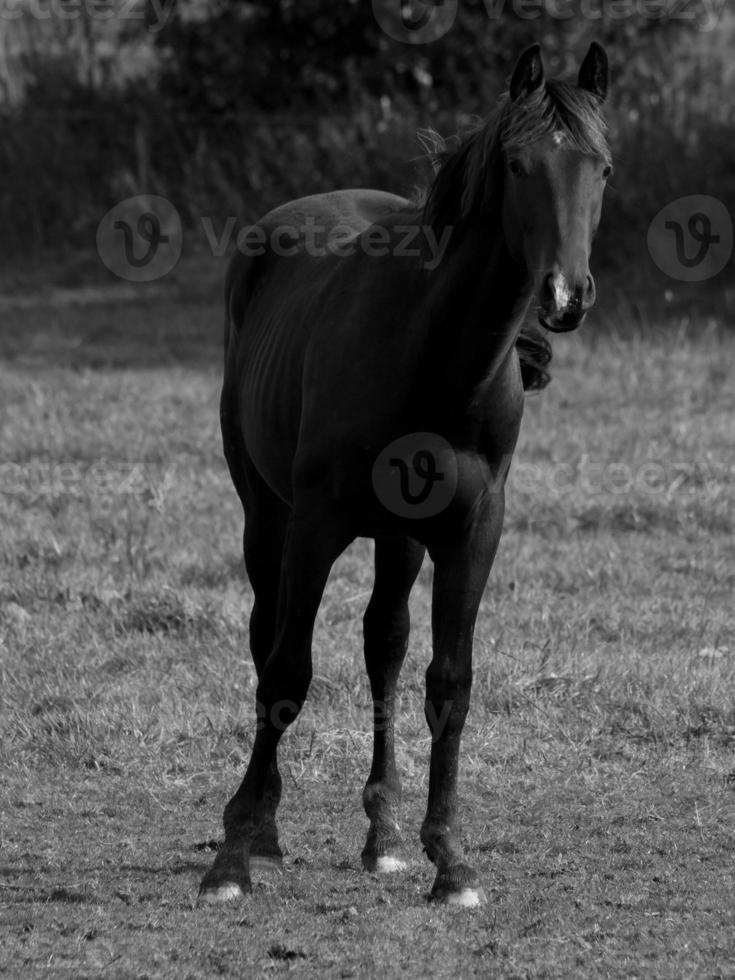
x,y
469,175
534,353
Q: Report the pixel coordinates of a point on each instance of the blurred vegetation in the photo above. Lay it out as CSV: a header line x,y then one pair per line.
x,y
228,108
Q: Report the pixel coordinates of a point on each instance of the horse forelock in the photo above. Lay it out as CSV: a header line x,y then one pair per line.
x,y
557,107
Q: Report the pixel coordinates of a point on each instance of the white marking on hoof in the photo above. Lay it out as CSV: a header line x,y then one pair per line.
x,y
225,893
468,898
386,864
262,863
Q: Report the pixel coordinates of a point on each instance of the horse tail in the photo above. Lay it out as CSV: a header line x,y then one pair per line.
x,y
534,353
239,283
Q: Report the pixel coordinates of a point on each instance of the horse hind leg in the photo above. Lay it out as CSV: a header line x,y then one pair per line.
x,y
312,542
266,517
265,522
386,627
263,547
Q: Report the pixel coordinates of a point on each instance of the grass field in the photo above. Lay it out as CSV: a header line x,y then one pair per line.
x,y
597,770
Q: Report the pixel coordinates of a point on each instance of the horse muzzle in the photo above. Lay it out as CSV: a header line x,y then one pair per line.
x,y
563,306
562,322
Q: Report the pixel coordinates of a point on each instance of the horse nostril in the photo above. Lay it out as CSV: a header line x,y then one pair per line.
x,y
589,292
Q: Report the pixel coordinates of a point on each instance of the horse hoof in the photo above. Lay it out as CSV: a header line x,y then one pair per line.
x,y
382,863
458,886
389,864
467,898
229,891
224,884
266,864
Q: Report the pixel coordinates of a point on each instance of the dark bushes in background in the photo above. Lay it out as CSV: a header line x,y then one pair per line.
x,y
245,105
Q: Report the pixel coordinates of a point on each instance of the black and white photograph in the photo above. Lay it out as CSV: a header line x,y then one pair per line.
x,y
367,468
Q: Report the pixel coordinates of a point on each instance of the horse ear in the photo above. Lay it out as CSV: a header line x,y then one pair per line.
x,y
528,74
593,71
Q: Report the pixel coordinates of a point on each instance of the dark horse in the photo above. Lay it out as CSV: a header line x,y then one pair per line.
x,y
374,388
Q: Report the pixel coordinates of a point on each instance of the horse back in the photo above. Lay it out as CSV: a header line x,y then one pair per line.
x,y
288,231
352,210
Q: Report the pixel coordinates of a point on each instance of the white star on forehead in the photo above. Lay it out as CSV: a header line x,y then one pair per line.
x,y
558,137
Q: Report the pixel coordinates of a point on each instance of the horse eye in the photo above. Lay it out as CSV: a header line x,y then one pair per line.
x,y
516,169
606,172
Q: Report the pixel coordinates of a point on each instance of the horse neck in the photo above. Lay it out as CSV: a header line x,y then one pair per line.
x,y
474,308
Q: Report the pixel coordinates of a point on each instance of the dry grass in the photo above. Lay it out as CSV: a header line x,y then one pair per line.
x,y
597,766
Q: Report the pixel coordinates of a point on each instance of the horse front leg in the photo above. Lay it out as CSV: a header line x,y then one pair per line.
x,y
461,569
312,543
385,627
